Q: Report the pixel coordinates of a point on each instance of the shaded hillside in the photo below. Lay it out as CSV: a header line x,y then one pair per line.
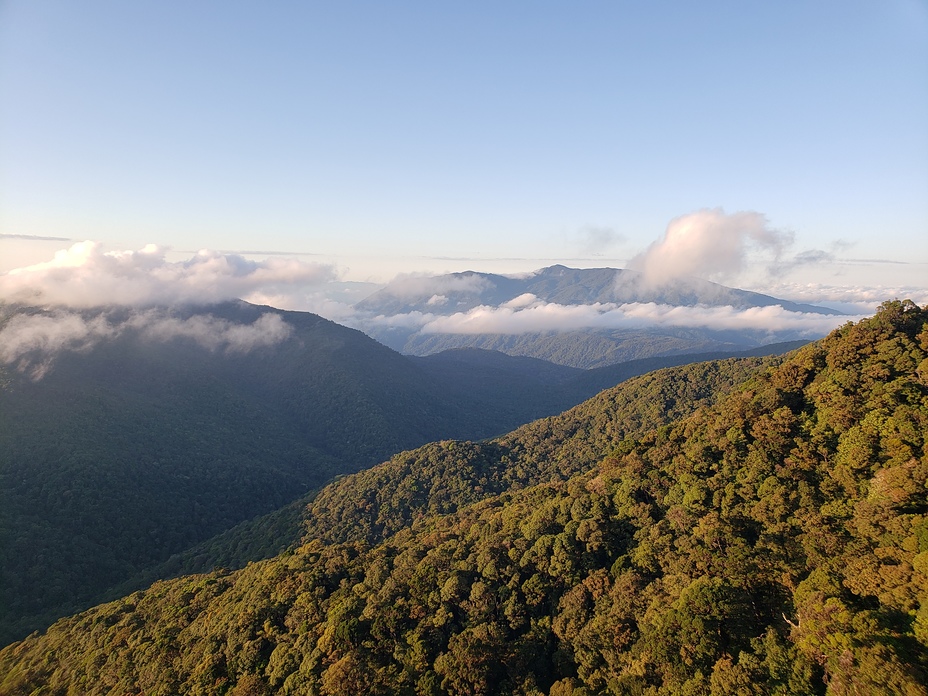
x,y
134,446
676,391
772,542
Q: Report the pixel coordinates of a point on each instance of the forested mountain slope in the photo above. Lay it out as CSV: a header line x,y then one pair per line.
x,y
374,502
137,447
774,541
119,451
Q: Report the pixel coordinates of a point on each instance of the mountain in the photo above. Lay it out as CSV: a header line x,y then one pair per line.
x,y
131,438
769,536
459,294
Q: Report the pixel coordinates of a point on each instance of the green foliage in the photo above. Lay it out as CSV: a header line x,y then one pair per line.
x,y
769,539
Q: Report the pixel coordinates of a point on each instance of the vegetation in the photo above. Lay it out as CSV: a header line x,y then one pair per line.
x,y
122,462
771,540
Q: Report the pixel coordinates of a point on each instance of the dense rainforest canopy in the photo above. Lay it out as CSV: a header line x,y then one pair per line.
x,y
755,533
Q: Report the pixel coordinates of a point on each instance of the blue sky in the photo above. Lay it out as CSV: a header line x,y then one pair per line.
x,y
413,136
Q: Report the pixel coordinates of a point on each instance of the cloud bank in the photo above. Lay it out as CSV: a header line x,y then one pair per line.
x,y
710,244
30,342
528,314
87,276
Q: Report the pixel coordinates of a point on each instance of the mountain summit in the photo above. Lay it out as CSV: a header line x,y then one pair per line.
x,y
460,292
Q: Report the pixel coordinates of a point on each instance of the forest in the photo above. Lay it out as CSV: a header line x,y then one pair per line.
x,y
133,459
748,526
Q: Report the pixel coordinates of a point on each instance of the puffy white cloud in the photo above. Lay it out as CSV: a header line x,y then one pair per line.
x,y
87,276
524,300
709,244
30,342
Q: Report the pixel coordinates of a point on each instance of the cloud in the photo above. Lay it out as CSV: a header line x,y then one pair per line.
x,y
34,237
87,276
851,299
709,244
30,342
414,286
545,317
597,240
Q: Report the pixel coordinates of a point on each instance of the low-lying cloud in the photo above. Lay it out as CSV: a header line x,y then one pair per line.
x,y
87,276
539,317
30,342
710,244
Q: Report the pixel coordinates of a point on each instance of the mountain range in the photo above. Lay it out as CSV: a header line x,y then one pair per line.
x,y
423,315
756,525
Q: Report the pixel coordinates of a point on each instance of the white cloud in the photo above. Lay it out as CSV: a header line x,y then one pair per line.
x,y
30,342
87,276
542,317
857,299
211,332
710,244
44,335
416,286
524,300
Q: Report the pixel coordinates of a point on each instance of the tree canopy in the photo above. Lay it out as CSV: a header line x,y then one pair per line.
x,y
770,538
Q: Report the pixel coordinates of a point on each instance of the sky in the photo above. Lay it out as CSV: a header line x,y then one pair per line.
x,y
279,151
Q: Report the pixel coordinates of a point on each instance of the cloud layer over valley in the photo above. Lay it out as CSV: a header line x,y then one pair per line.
x,y
531,315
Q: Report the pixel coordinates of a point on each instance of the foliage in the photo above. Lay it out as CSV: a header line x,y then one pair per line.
x,y
120,465
771,540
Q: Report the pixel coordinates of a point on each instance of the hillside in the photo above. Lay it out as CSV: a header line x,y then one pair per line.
x,y
773,540
130,448
124,452
262,537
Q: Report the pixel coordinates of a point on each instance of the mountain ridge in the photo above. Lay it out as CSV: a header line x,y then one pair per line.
x,y
492,301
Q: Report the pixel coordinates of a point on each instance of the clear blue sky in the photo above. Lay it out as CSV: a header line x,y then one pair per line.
x,y
404,132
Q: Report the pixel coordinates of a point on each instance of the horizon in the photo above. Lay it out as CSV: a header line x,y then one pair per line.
x,y
320,146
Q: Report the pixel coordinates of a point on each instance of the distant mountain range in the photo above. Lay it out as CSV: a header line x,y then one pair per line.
x,y
458,294
129,436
